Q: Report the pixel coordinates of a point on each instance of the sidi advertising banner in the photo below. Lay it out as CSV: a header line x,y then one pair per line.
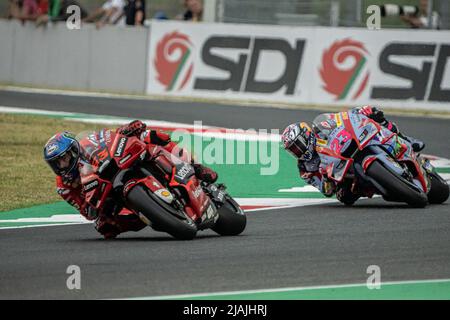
x,y
334,66
225,60
404,68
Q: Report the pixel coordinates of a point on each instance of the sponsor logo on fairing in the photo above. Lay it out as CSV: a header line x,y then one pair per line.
x,y
197,191
184,171
164,195
220,196
156,184
363,135
124,159
104,165
210,213
90,186
120,147
128,186
62,191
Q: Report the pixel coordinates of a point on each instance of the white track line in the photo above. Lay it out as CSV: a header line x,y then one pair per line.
x,y
287,289
75,219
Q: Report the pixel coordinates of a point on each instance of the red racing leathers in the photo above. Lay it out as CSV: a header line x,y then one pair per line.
x,y
108,225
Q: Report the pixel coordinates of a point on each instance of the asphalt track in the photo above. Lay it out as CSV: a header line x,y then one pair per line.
x,y
317,245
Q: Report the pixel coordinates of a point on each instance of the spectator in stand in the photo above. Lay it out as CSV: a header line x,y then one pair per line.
x,y
194,10
14,9
32,9
421,20
160,15
57,11
134,12
109,13
27,9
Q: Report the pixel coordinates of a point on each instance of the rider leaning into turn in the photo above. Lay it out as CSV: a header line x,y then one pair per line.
x,y
300,140
62,153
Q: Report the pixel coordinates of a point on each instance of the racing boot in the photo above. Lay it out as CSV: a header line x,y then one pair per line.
x,y
111,227
205,174
107,228
345,195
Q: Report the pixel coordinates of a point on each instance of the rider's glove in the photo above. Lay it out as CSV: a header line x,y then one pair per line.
x,y
373,113
134,128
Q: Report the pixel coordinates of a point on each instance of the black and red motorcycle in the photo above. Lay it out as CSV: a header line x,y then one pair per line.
x,y
162,189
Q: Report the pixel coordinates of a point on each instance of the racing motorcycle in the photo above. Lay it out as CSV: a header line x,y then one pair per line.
x,y
162,189
366,158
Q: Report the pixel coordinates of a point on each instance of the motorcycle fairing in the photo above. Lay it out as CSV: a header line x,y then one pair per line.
x,y
182,176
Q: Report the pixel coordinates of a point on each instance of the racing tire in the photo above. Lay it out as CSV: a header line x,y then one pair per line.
x,y
345,195
439,190
396,186
160,214
232,220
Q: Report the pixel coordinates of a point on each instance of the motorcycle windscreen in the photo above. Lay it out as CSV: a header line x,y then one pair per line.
x,y
323,125
94,146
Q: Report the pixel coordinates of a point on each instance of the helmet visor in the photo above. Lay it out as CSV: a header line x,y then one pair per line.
x,y
297,148
65,162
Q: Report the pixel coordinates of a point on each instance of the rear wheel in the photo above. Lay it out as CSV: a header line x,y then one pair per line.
x,y
161,214
439,190
232,219
396,186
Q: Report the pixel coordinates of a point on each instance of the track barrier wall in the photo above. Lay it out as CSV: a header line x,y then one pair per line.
x,y
302,65
109,59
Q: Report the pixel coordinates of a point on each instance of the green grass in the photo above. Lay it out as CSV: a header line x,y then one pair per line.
x,y
26,180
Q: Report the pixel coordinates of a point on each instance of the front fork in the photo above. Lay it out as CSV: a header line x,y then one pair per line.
x,y
216,193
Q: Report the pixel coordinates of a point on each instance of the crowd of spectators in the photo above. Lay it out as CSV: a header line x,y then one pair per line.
x,y
112,12
421,20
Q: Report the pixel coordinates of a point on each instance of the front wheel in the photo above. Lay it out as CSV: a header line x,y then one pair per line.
x,y
439,190
160,214
396,186
232,220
